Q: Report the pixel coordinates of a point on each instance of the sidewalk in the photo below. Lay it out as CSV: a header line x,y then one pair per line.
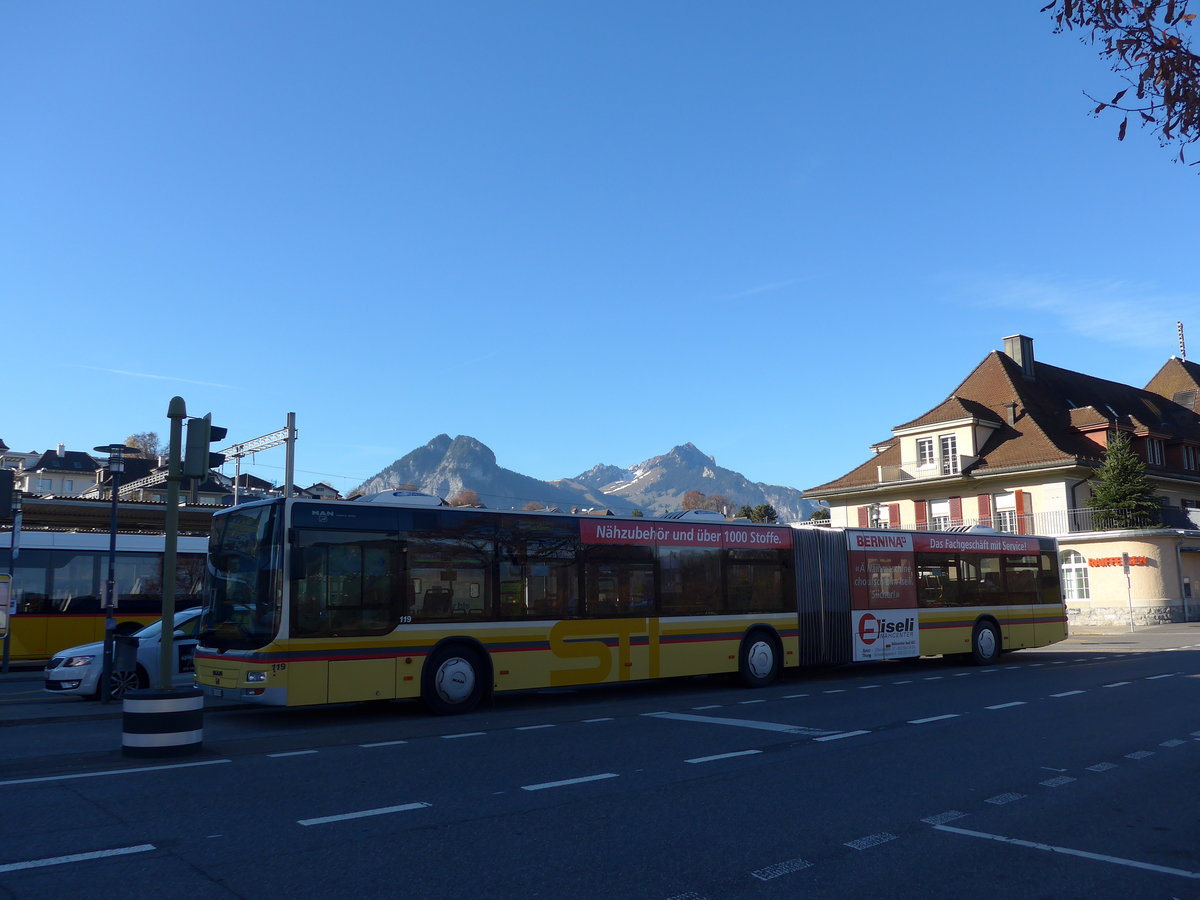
x,y
1183,628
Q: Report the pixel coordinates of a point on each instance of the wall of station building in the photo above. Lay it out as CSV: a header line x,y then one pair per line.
x,y
1142,577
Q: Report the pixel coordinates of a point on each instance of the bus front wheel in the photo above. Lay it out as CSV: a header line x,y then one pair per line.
x,y
760,660
985,644
454,680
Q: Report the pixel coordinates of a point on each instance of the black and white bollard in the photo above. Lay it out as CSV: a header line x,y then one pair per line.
x,y
162,723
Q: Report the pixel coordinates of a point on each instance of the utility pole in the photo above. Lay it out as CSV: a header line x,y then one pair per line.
x,y
286,435
116,465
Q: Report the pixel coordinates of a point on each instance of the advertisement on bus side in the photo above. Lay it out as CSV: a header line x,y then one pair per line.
x,y
684,534
885,634
882,575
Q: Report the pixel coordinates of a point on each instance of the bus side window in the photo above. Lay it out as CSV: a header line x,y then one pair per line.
x,y
351,584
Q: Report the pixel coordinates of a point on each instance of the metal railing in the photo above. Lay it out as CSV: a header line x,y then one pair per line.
x,y
917,471
1055,523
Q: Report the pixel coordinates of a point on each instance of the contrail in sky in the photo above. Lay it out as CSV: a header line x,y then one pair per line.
x,y
156,377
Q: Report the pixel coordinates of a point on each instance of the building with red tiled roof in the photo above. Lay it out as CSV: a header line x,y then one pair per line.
x,y
1014,447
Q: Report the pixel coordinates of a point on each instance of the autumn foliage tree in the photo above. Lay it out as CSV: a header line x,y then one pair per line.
x,y
1146,42
146,443
465,497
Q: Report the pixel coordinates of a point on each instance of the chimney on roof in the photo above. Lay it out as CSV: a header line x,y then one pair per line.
x,y
1019,349
1012,412
62,450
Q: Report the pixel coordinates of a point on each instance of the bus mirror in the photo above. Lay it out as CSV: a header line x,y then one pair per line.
x,y
297,569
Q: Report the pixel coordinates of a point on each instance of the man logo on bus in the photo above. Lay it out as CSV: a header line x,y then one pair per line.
x,y
868,629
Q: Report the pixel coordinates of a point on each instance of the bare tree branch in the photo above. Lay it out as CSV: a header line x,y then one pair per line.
x,y
1146,44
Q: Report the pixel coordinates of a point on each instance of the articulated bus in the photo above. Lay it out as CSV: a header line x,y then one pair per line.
x,y
59,580
396,596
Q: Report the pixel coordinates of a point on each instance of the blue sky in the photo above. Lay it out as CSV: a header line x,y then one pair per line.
x,y
579,232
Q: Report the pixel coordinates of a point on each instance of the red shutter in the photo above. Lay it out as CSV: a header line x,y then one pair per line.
x,y
985,510
922,515
956,510
864,517
1024,512
893,515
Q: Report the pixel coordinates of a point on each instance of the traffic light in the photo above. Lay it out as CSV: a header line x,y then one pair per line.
x,y
197,458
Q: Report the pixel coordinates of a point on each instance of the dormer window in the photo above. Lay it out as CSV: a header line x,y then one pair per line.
x,y
949,447
1154,451
925,454
1191,458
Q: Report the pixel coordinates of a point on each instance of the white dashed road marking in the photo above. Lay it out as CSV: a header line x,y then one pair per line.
x,y
1150,867
942,818
1002,799
871,840
783,868
75,857
382,811
838,737
207,762
739,723
569,781
704,759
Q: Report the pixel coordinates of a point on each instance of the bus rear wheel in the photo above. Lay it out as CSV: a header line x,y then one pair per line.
x,y
453,680
760,660
985,644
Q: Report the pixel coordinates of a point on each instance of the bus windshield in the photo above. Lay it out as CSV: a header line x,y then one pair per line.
x,y
242,593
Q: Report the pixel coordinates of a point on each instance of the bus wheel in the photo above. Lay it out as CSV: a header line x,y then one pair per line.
x,y
122,682
985,644
453,680
760,660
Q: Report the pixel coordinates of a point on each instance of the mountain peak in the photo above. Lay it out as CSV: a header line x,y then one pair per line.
x,y
690,455
447,465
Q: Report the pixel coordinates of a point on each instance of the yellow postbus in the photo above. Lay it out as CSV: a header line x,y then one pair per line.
x,y
59,580
397,596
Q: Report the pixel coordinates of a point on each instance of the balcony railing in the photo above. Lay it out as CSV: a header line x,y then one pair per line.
x,y
916,471
1056,523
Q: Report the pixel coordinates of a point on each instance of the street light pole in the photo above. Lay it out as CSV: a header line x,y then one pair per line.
x,y
116,465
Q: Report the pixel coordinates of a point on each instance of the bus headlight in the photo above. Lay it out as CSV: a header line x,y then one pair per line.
x,y
255,677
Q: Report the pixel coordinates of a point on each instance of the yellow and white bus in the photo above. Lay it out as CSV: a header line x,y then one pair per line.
x,y
395,595
59,579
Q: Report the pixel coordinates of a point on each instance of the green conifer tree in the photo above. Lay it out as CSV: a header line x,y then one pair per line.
x,y
1122,495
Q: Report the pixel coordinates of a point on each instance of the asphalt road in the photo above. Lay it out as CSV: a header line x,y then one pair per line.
x,y
1071,771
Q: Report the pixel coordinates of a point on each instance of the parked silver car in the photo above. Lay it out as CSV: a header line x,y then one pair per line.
x,y
136,660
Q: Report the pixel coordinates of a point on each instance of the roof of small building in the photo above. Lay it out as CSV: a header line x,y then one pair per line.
x,y
69,461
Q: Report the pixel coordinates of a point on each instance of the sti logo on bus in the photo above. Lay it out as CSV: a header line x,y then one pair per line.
x,y
870,628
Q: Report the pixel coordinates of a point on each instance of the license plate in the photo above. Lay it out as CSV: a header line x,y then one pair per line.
x,y
216,692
